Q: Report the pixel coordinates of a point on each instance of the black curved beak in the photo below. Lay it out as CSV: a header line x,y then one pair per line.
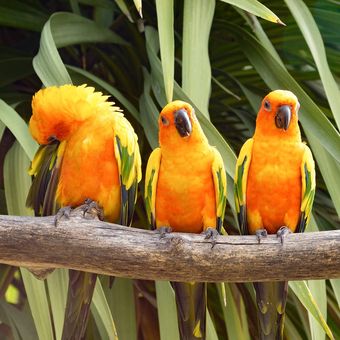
x,y
283,116
182,123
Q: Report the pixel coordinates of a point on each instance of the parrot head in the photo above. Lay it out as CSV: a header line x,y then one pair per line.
x,y
279,112
178,123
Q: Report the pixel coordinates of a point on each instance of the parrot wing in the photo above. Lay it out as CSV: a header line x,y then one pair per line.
x,y
220,183
240,185
308,189
45,169
129,166
151,179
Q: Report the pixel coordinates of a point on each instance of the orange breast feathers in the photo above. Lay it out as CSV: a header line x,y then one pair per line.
x,y
89,168
274,186
185,191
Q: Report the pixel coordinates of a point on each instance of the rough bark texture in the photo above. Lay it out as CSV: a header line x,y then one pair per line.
x,y
99,247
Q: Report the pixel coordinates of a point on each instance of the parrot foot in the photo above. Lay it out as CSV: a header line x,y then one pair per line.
x,y
282,233
162,231
62,212
260,234
91,209
211,234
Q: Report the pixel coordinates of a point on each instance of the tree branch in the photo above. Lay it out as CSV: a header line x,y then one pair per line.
x,y
99,247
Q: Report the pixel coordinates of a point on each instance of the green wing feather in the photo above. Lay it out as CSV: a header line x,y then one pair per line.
x,y
151,179
308,189
129,165
220,183
240,184
45,169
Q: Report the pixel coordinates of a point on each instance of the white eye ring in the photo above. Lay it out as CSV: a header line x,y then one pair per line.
x,y
267,105
164,121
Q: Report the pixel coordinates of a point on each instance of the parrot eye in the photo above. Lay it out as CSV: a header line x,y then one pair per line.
x,y
267,105
164,121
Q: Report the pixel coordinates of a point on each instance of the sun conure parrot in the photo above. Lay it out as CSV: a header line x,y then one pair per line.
x,y
274,192
88,152
185,191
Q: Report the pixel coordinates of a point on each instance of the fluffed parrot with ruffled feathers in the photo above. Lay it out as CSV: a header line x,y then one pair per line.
x,y
274,192
88,152
185,191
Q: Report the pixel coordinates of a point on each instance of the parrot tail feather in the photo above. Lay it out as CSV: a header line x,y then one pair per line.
x,y
271,300
79,297
191,301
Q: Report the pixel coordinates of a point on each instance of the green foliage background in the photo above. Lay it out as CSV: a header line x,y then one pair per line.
x,y
223,57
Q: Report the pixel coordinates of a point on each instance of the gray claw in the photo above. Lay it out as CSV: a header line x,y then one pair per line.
x,y
211,234
162,231
260,234
282,233
92,208
62,212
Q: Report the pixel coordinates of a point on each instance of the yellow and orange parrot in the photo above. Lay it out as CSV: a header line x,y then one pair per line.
x,y
185,191
88,152
274,192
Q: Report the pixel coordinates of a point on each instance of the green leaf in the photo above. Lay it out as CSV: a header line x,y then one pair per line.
x,y
167,311
122,6
13,69
256,8
234,313
329,168
165,18
312,35
336,288
196,70
37,298
304,294
57,285
81,76
211,331
149,112
276,76
17,181
20,320
123,308
64,29
101,309
318,290
18,14
138,4
19,128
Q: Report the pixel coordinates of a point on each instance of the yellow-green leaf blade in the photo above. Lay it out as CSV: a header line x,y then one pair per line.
x,y
301,290
256,8
311,33
196,70
18,127
165,18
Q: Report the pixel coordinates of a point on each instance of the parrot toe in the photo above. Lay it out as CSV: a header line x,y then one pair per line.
x,y
91,209
211,234
260,234
282,233
62,212
162,231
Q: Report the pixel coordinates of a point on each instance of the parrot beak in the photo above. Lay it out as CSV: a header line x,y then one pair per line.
x,y
182,123
283,116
